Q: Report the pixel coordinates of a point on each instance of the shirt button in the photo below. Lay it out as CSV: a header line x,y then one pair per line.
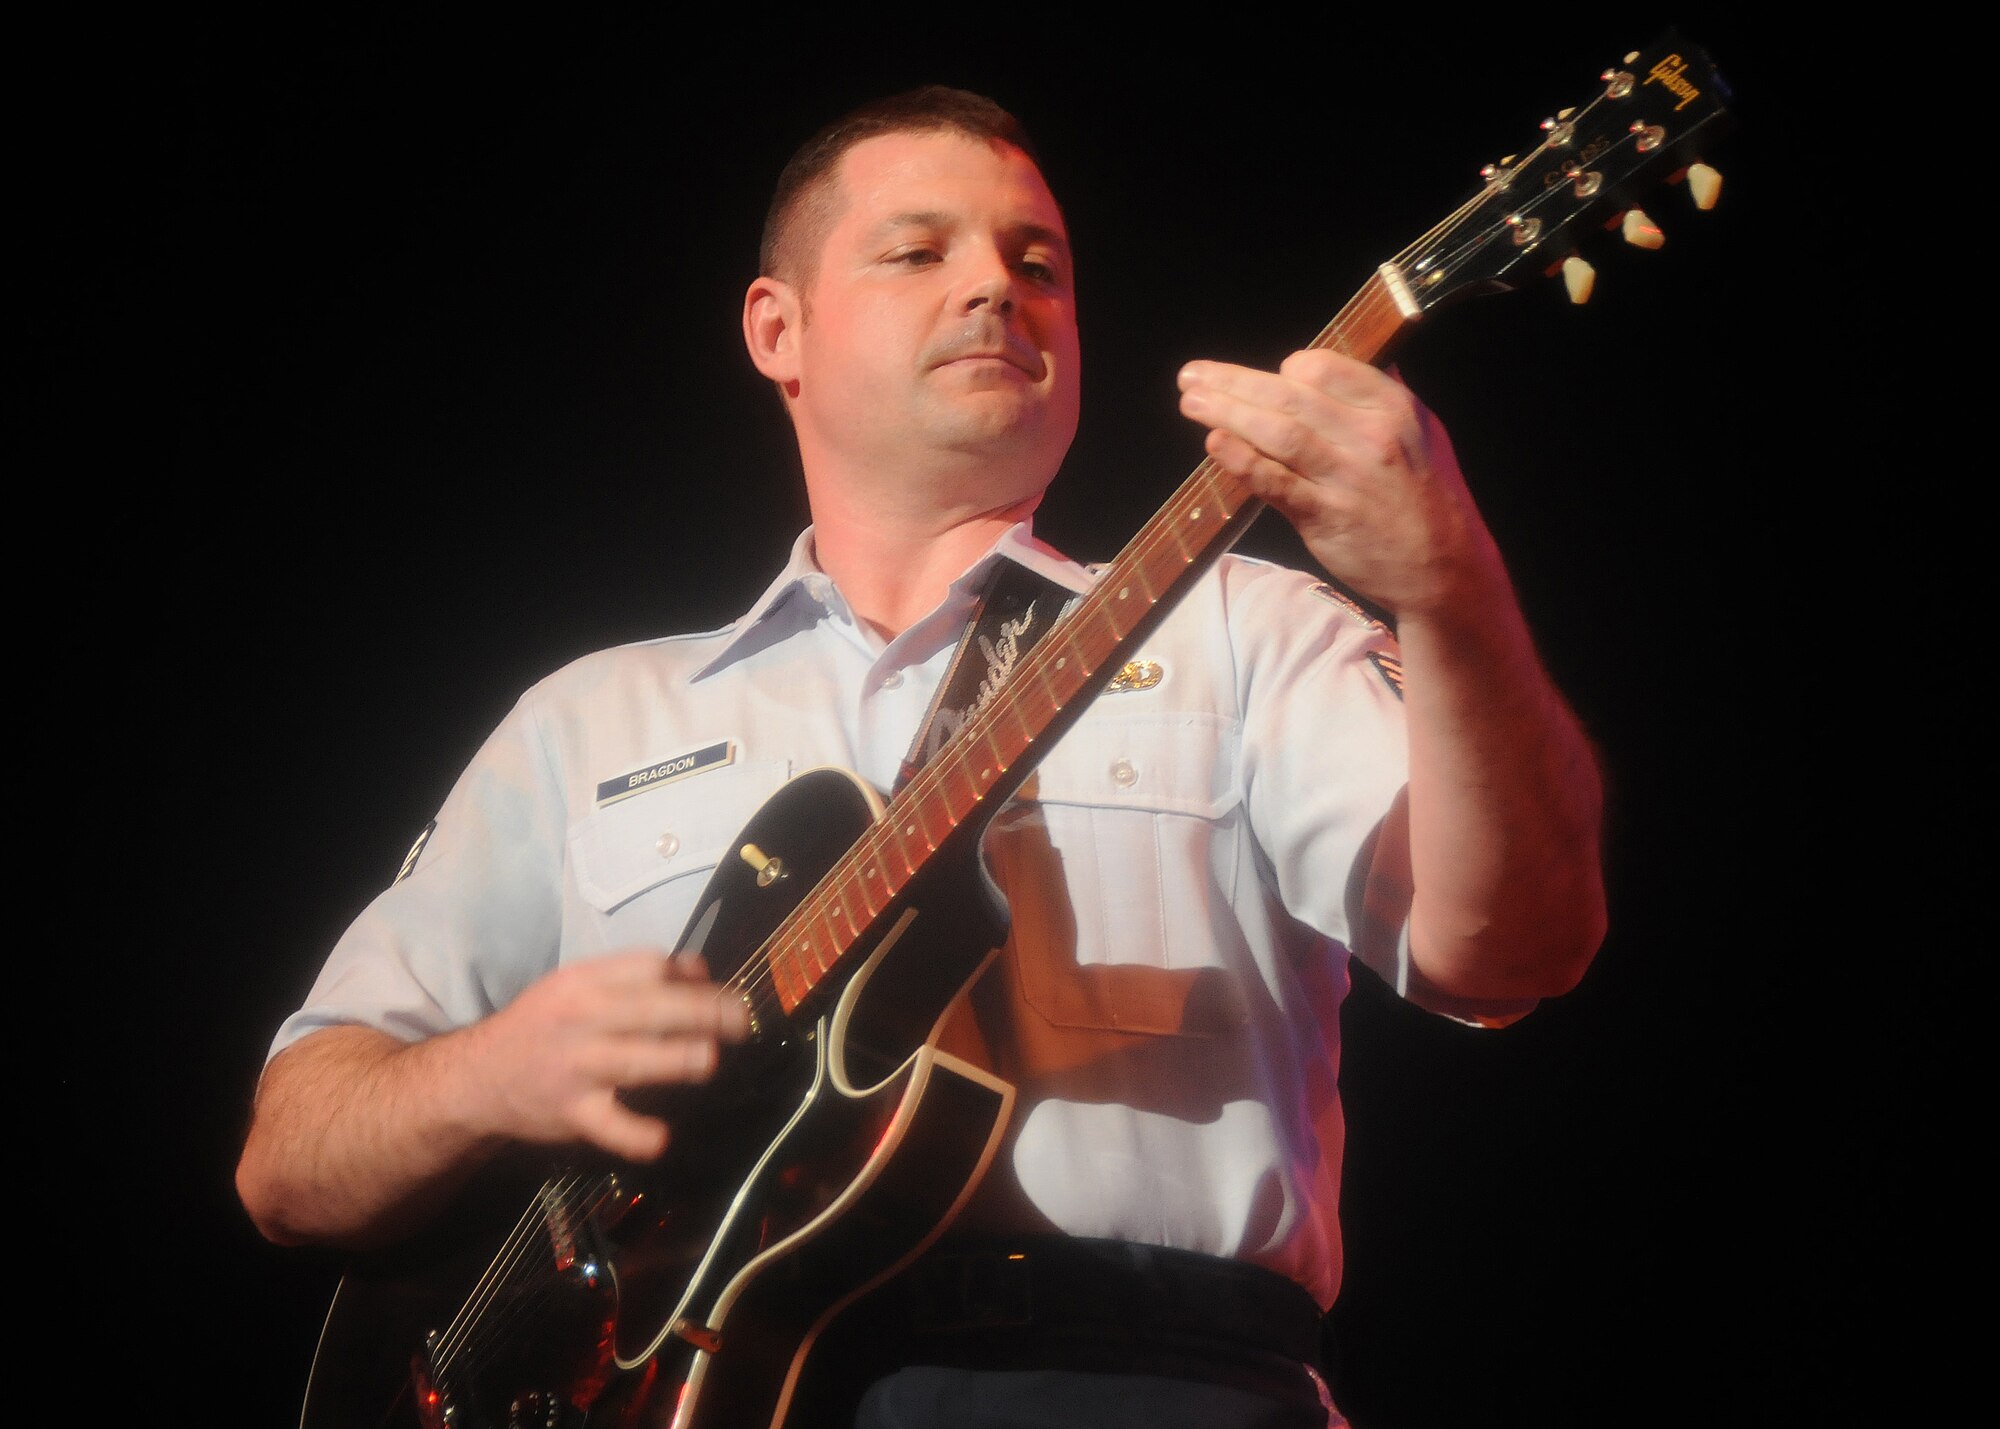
x,y
893,680
668,845
1123,774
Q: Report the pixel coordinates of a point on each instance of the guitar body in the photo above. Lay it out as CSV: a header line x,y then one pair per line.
x,y
826,1153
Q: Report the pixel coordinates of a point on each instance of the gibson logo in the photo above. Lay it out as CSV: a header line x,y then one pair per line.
x,y
1671,75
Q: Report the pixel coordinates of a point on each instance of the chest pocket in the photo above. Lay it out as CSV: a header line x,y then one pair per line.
x,y
1117,863
642,862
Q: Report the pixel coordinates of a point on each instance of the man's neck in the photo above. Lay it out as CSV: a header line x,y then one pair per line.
x,y
893,573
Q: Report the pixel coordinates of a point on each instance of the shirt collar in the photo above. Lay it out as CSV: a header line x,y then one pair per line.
x,y
803,594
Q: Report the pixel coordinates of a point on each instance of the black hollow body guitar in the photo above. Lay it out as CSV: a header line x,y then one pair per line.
x,y
840,1141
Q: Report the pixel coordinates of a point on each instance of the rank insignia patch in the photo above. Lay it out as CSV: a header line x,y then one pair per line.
x,y
710,756
1390,668
416,851
1136,675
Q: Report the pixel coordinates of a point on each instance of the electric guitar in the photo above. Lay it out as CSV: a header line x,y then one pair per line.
x,y
840,1140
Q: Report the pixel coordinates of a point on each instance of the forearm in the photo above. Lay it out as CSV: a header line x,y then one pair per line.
x,y
1503,874
1505,804
357,1136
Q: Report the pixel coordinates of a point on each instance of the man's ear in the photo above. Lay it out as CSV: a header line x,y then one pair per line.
x,y
771,318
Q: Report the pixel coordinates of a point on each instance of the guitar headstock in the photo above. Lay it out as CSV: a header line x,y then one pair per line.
x,y
1647,123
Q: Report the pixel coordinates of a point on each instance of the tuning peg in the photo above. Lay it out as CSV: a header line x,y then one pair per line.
x,y
1640,231
1579,277
1704,186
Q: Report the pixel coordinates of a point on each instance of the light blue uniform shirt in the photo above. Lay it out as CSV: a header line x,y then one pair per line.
x,y
1181,871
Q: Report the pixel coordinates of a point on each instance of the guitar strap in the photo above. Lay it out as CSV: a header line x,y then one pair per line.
x,y
1017,608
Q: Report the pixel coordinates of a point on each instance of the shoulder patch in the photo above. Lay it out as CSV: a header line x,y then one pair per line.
x,y
710,756
1336,596
1390,668
416,851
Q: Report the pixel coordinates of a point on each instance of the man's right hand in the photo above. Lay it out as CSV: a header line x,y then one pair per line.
x,y
557,1057
357,1137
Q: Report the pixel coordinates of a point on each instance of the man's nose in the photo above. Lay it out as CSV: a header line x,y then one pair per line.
x,y
992,288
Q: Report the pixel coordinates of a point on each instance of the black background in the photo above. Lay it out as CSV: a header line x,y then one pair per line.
x,y
391,363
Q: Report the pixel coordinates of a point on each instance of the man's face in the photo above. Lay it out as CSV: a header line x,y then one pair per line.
x,y
938,329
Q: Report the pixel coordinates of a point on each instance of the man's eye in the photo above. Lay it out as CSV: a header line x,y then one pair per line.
x,y
1040,271
916,257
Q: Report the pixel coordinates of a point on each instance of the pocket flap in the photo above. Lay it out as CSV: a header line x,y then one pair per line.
x,y
674,831
1169,762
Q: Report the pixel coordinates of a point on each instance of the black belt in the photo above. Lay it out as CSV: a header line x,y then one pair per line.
x,y
1073,1290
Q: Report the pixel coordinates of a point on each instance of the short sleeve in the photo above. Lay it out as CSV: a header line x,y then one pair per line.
x,y
1326,764
474,915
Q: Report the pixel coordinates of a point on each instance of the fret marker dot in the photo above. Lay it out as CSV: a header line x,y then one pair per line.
x,y
1195,515
1124,591
909,829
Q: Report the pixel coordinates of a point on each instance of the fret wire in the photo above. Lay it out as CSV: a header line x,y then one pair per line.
x,y
823,942
1150,584
875,865
957,780
905,831
784,978
795,966
804,959
1024,730
799,962
1021,737
998,759
847,886
925,808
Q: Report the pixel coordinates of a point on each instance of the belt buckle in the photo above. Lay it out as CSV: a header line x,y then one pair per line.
x,y
972,1292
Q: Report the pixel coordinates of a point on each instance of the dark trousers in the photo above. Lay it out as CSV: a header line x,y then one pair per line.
x,y
932,1397
1050,1334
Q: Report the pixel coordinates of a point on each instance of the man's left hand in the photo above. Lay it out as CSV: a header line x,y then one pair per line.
x,y
1360,467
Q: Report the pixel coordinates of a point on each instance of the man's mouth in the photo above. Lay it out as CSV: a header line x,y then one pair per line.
x,y
1029,365
985,345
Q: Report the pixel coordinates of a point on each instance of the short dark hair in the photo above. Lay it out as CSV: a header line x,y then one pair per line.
x,y
796,225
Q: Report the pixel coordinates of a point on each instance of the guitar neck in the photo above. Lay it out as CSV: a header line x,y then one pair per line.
x,y
954,794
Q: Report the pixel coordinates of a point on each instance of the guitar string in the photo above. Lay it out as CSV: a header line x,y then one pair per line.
x,y
475,1326
495,1275
496,1334
756,979
1529,206
499,1272
488,1337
